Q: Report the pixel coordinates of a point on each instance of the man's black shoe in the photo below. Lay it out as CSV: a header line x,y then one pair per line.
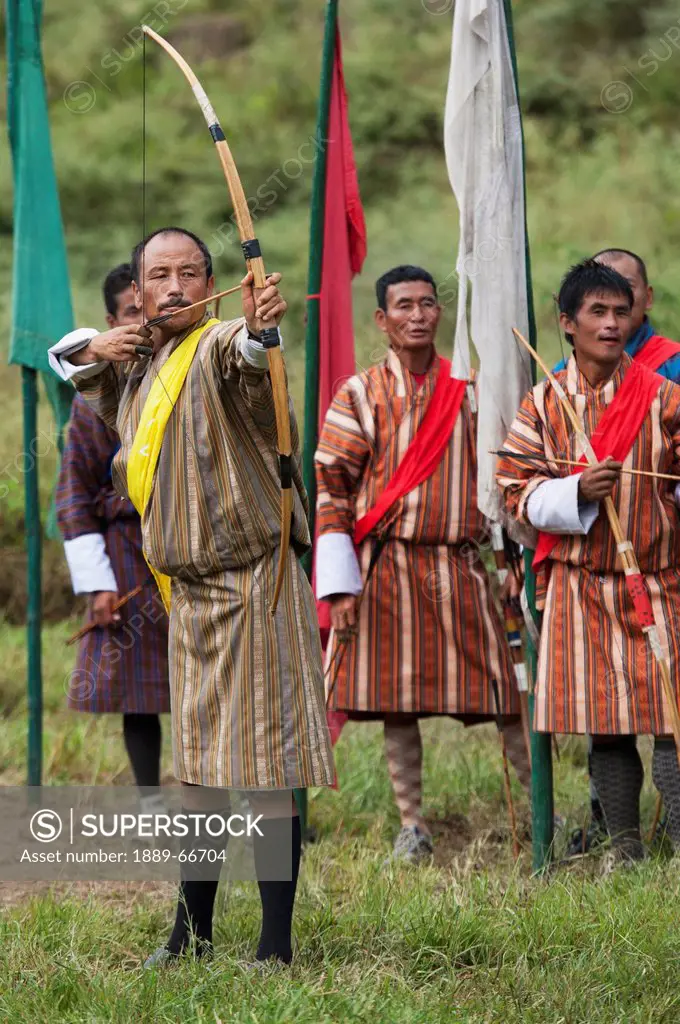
x,y
583,841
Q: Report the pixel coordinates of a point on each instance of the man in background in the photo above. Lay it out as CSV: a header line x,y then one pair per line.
x,y
396,473
122,664
595,676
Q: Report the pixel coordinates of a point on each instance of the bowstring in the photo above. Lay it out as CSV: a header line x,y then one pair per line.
x,y
143,165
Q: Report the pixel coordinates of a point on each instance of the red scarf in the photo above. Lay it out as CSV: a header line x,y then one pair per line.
x,y
420,460
426,450
656,351
616,432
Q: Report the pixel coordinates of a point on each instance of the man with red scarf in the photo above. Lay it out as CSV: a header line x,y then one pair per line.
x,y
644,345
596,674
662,355
415,629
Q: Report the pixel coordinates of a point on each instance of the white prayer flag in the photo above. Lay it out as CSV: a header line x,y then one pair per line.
x,y
483,144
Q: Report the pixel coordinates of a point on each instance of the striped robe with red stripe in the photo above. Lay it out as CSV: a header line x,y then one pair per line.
x,y
596,673
430,638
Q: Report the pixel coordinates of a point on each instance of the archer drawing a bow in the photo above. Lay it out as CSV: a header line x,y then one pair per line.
x,y
270,337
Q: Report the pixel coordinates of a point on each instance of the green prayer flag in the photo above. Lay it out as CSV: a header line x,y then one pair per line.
x,y
41,295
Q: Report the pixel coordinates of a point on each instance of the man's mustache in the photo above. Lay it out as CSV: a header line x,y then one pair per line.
x,y
179,304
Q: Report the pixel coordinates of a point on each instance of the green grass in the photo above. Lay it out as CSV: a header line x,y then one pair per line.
x,y
373,947
472,938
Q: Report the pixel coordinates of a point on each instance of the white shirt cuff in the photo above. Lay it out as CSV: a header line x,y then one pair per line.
x,y
73,342
89,564
677,495
554,507
337,566
253,351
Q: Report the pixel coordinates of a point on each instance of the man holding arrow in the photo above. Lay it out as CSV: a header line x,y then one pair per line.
x,y
662,355
597,674
194,407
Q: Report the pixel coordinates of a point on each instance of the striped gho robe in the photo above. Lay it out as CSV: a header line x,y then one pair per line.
x,y
246,687
596,673
429,637
121,668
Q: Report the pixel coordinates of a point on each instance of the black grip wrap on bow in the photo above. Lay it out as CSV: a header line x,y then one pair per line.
x,y
270,337
286,471
216,132
251,248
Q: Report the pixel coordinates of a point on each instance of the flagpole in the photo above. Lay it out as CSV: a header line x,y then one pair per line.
x,y
312,332
316,237
34,574
39,268
542,806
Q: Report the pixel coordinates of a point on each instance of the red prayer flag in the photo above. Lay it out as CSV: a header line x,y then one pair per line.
x,y
344,246
344,251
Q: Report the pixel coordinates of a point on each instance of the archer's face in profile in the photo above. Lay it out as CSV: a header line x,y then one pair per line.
x,y
173,275
412,316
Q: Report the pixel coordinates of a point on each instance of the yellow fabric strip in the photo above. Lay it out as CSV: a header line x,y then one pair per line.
x,y
146,447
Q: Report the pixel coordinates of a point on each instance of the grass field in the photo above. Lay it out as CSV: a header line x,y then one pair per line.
x,y
472,938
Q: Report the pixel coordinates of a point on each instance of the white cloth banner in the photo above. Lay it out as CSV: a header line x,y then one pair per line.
x,y
483,144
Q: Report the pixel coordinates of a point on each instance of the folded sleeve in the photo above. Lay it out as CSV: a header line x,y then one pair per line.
x,y
89,564
74,341
554,507
336,565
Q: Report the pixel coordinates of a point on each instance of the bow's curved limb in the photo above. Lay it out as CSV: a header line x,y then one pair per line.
x,y
269,335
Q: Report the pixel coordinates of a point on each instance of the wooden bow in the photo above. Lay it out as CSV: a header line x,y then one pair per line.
x,y
269,336
635,582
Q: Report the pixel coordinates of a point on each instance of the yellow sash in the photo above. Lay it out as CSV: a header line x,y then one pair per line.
x,y
146,447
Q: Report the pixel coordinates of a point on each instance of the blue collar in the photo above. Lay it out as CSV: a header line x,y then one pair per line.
x,y
638,340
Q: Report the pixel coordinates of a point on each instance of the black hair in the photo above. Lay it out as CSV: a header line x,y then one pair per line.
x,y
590,278
616,252
115,282
405,272
138,251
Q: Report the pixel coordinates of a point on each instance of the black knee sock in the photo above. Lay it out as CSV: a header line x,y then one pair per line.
x,y
596,812
617,774
666,776
194,917
199,880
278,898
142,734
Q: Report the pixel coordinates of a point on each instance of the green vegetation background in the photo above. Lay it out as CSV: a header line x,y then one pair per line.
x,y
595,176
